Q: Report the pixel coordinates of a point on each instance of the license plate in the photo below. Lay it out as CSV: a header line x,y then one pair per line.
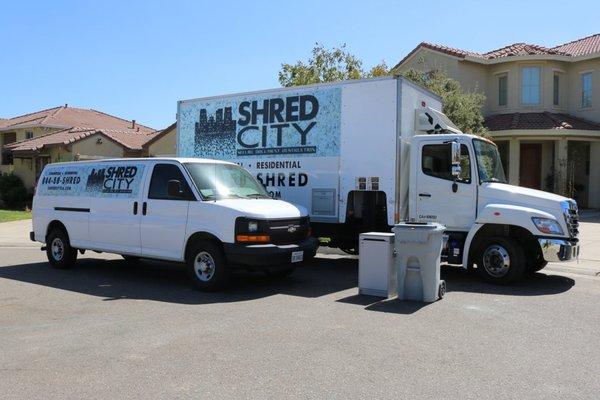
x,y
297,256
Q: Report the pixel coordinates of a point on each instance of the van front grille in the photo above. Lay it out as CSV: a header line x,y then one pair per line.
x,y
288,231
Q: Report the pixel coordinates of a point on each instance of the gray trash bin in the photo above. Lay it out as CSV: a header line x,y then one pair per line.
x,y
418,248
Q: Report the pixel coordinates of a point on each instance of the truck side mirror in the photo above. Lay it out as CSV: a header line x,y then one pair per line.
x,y
455,157
174,188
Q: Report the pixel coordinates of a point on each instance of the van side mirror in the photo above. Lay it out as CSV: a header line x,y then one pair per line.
x,y
455,157
174,188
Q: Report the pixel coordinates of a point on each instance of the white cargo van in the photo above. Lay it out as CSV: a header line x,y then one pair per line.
x,y
212,215
362,155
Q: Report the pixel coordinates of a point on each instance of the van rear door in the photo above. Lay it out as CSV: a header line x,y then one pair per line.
x,y
164,217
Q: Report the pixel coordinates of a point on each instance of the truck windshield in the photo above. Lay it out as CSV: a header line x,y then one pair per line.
x,y
224,181
488,162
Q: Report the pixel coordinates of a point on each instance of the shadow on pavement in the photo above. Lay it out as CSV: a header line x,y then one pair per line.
x,y
460,280
168,282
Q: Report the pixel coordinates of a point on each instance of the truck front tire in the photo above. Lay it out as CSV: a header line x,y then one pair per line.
x,y
500,260
58,249
207,266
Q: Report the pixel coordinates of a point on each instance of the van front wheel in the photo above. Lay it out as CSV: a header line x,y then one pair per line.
x,y
58,249
207,266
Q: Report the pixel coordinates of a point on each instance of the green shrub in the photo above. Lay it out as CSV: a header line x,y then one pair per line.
x,y
12,191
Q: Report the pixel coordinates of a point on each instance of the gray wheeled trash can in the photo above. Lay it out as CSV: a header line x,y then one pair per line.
x,y
418,248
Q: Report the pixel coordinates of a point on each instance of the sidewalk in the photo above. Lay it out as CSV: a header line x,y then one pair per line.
x,y
16,234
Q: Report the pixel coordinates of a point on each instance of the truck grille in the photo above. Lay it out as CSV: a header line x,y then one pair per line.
x,y
572,219
288,231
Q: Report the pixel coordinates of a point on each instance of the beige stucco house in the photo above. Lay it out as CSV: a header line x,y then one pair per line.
x,y
542,108
31,141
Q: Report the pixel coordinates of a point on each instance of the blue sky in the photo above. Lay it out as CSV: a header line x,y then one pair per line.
x,y
136,59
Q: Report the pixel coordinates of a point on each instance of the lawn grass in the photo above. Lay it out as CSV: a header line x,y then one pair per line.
x,y
13,215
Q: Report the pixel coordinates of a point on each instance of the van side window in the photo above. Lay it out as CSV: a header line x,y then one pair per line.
x,y
436,161
161,175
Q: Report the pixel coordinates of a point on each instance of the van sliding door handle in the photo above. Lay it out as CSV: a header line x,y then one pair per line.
x,y
424,195
144,208
135,207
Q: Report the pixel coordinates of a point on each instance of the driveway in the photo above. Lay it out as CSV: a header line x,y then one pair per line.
x,y
109,329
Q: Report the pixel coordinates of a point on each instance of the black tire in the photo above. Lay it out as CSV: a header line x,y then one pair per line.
x,y
500,260
280,273
130,259
207,266
58,249
537,264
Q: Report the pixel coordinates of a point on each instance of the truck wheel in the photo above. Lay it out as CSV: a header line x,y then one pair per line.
x,y
58,249
207,266
500,260
537,264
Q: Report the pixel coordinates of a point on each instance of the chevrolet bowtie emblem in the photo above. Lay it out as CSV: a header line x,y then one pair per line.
x,y
291,229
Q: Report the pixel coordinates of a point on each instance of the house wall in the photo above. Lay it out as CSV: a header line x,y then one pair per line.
x,y
89,148
574,93
165,146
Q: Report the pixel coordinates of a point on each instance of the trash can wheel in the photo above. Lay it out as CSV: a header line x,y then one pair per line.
x,y
442,290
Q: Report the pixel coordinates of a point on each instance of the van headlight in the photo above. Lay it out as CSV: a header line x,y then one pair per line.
x,y
547,225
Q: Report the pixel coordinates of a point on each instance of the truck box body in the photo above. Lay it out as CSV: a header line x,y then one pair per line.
x,y
313,145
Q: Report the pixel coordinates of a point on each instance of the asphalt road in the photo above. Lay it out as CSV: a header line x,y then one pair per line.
x,y
108,329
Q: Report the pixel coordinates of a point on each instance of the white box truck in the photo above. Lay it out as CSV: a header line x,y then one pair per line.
x,y
362,155
210,214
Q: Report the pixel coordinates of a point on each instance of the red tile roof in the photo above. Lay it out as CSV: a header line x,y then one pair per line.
x,y
587,45
540,120
133,141
521,49
71,117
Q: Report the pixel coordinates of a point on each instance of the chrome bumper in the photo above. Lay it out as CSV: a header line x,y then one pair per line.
x,y
558,250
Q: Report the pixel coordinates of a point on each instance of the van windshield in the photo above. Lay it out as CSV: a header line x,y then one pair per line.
x,y
224,181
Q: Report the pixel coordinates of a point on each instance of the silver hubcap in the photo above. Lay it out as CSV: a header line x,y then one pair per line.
x,y
496,261
204,266
58,249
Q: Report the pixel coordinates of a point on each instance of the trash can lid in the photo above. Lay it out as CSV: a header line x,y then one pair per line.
x,y
413,225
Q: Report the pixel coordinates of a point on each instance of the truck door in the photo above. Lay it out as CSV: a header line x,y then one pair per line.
x,y
164,216
440,197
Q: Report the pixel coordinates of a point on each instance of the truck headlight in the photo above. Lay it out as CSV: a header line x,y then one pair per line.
x,y
252,226
547,225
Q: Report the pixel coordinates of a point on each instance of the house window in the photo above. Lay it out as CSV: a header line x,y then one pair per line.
x,y
586,89
530,85
28,135
556,90
502,90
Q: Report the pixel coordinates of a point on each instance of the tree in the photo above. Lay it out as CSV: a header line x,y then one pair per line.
x,y
463,108
338,64
325,65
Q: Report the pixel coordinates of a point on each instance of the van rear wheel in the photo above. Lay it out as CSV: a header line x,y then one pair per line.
x,y
58,249
207,266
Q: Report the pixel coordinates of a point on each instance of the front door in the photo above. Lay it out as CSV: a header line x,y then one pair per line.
x,y
439,198
530,166
164,217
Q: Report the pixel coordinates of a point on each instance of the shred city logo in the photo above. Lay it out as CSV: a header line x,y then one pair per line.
x,y
112,179
278,125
